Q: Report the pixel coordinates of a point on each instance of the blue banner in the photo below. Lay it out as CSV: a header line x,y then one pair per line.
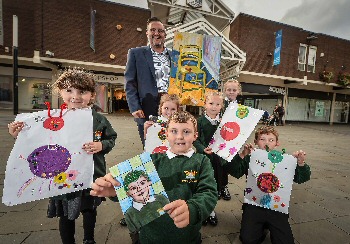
x,y
278,46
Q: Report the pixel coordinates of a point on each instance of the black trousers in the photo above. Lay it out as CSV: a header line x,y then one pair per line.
x,y
67,227
256,219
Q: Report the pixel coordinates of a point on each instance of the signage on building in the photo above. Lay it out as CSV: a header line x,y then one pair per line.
x,y
1,26
278,46
278,90
109,79
92,29
319,110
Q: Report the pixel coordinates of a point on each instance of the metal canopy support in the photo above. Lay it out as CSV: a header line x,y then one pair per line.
x,y
232,58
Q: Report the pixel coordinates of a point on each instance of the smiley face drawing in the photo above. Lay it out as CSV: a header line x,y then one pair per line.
x,y
229,131
242,111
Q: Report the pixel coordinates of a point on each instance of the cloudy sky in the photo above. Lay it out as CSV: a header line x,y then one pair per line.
x,y
331,17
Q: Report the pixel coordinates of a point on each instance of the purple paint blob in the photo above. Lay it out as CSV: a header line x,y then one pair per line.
x,y
49,161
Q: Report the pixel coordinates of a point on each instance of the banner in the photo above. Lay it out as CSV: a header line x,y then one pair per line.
x,y
278,46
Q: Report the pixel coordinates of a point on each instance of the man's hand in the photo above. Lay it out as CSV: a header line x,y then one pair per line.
x,y
104,186
178,211
138,114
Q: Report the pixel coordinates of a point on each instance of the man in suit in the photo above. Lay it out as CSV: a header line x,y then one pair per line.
x,y
147,75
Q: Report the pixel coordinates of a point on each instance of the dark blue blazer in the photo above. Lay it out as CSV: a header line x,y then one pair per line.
x,y
140,82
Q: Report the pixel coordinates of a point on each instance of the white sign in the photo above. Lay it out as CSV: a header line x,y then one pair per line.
x,y
279,90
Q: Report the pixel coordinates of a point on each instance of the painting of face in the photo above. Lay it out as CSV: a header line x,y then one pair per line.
x,y
139,189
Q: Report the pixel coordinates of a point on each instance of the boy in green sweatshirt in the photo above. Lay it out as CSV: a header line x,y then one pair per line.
x,y
188,181
255,218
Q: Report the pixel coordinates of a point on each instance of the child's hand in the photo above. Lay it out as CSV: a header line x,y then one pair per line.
x,y
208,150
247,149
178,211
15,127
104,186
92,147
300,155
146,125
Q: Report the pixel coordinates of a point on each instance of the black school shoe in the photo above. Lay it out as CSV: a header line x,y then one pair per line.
x,y
123,222
225,194
213,220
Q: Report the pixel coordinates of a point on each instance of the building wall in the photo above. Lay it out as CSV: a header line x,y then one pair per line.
x,y
63,27
256,37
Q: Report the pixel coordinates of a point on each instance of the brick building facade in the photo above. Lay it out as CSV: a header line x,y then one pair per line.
x,y
304,94
59,32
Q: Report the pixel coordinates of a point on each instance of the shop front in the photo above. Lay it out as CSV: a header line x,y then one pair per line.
x,y
263,97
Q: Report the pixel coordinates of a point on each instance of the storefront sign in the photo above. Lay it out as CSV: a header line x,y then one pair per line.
x,y
319,110
110,79
279,90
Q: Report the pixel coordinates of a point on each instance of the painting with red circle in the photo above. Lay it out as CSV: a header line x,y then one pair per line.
x,y
160,149
229,131
268,182
54,123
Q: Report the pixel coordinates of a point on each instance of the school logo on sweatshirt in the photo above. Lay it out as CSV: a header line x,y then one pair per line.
x,y
190,176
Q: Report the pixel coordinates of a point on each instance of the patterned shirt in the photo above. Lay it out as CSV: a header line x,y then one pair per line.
x,y
161,63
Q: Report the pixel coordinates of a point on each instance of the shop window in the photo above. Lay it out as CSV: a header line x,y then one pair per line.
x,y
307,53
5,89
41,95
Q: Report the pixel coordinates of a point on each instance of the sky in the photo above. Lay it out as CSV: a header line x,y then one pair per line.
x,y
331,17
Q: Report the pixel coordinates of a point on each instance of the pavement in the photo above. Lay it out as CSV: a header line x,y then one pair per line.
x,y
319,208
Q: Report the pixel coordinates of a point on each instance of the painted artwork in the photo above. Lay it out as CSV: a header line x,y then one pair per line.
x,y
270,179
156,141
236,125
47,157
141,193
195,66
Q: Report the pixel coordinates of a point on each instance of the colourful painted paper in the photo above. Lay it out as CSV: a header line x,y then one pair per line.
x,y
156,141
195,65
47,159
141,193
270,180
236,125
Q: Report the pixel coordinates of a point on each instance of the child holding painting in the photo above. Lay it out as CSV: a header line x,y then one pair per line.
x,y
207,125
188,180
256,218
78,90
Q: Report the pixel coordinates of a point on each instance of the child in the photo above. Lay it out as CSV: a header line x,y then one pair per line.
x,y
232,88
78,90
255,219
189,183
169,104
144,208
207,125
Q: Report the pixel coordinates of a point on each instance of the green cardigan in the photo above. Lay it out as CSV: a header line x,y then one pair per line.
x,y
190,179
